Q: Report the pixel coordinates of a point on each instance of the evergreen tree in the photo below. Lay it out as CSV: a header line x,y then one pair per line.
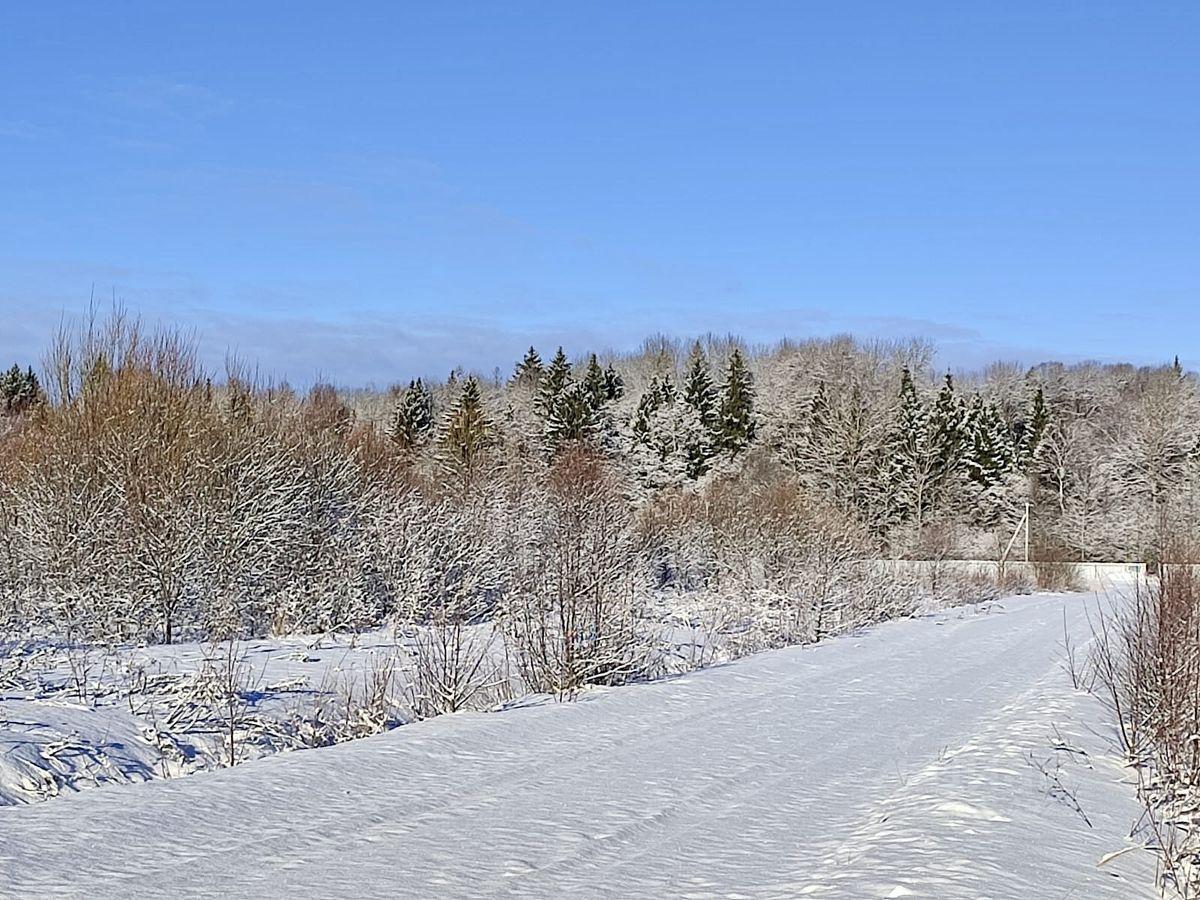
x,y
735,414
947,425
554,381
413,418
1034,428
988,454
917,466
574,416
614,385
700,397
19,391
675,446
699,391
529,370
659,393
594,384
467,431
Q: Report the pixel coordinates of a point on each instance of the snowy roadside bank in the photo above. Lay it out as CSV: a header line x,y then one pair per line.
x,y
945,756
78,716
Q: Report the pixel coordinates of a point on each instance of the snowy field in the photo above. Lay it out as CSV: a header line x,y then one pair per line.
x,y
945,756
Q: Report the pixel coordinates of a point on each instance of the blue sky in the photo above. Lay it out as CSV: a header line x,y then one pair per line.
x,y
371,191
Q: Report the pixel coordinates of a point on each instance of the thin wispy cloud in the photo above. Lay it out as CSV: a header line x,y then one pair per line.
x,y
22,131
159,96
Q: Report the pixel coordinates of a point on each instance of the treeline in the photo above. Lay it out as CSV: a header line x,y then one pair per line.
x,y
141,497
1106,456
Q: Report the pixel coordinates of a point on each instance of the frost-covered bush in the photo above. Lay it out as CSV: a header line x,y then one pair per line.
x,y
1147,663
573,612
792,567
144,504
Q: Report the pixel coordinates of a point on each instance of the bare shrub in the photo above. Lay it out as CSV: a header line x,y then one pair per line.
x,y
1014,580
1147,660
1054,570
1056,575
572,615
452,668
350,704
676,538
143,504
228,673
809,559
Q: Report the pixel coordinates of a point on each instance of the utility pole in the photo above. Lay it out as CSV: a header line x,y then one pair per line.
x,y
1026,532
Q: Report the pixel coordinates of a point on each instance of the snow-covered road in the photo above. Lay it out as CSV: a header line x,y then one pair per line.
x,y
918,759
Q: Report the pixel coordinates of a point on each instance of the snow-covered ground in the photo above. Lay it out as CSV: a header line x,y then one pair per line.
x,y
78,717
947,756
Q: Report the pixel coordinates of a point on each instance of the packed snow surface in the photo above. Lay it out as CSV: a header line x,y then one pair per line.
x,y
947,756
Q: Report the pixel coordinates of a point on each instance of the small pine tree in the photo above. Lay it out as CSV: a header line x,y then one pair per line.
x,y
554,381
467,430
574,417
988,453
735,427
1034,428
916,465
413,418
659,393
614,385
529,370
594,384
947,425
19,391
699,391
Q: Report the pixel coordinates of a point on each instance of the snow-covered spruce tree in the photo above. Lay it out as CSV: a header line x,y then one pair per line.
x,y
948,422
467,432
923,453
614,384
1032,429
412,420
20,391
988,452
673,448
700,395
698,389
670,443
659,393
996,486
594,384
574,416
554,381
528,372
736,426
